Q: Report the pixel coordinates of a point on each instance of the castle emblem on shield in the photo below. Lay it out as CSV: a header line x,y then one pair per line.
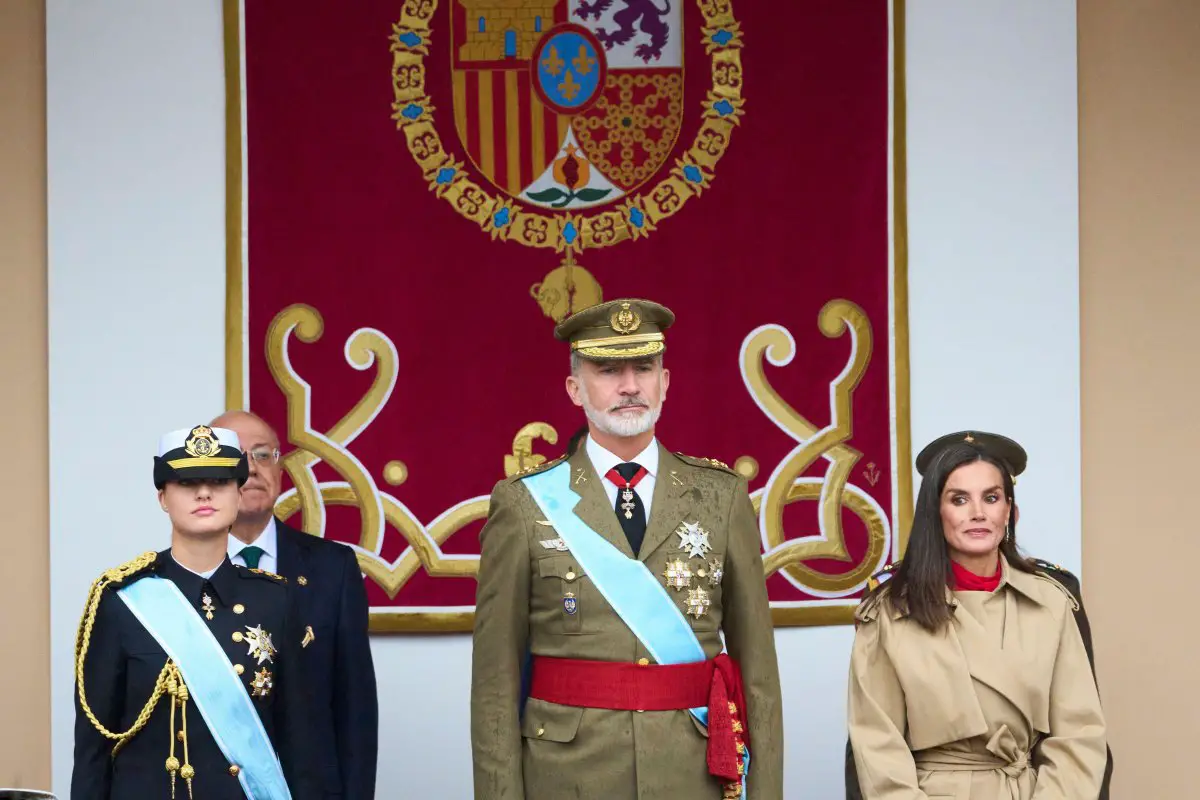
x,y
569,113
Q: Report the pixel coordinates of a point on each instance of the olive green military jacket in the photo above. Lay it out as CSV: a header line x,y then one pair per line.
x,y
538,750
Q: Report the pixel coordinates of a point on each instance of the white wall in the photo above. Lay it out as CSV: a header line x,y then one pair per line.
x,y
136,192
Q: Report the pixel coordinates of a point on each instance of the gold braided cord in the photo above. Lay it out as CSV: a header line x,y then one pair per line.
x,y
83,641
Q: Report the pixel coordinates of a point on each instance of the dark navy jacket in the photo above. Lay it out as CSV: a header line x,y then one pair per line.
x,y
328,585
123,663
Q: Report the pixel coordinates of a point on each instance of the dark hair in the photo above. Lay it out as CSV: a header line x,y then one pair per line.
x,y
919,584
576,438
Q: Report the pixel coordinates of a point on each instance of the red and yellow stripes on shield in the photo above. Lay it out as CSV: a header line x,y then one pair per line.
x,y
507,131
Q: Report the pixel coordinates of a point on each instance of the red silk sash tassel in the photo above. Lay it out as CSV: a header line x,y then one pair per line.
x,y
727,735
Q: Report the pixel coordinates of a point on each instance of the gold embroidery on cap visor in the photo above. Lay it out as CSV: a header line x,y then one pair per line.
x,y
204,461
643,344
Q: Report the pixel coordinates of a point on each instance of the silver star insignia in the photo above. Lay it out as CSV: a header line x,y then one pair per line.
x,y
693,539
260,644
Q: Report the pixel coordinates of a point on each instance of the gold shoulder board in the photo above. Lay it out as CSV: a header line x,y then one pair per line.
x,y
710,463
266,574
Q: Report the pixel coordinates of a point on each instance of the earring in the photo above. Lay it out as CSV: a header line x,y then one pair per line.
x,y
1008,532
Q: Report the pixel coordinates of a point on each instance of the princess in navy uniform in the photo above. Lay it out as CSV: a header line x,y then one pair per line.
x,y
187,666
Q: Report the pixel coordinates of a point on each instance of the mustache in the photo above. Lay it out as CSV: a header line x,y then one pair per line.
x,y
630,402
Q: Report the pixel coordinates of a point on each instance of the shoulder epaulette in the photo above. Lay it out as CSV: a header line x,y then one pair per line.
x,y
130,568
536,468
1046,577
264,574
881,577
710,463
1055,570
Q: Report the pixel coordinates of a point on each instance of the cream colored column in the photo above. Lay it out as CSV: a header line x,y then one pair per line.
x,y
25,567
1139,91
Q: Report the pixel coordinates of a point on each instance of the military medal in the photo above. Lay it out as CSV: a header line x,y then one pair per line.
x,y
697,603
554,544
626,487
262,684
693,539
715,572
208,606
570,605
260,644
677,574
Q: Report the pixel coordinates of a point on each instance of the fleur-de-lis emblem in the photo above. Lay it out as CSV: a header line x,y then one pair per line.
x,y
583,62
552,63
569,88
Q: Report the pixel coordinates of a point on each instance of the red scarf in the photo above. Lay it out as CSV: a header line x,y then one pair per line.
x,y
967,581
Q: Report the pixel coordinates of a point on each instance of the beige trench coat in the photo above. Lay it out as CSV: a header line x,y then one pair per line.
x,y
956,715
557,752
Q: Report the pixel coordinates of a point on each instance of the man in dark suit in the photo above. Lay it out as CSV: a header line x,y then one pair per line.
x,y
333,603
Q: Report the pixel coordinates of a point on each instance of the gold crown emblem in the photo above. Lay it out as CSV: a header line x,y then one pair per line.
x,y
201,442
625,320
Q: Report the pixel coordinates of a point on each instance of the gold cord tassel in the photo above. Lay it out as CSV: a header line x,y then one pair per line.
x,y
83,636
172,761
186,771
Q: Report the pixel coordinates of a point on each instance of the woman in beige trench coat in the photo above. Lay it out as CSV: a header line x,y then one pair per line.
x,y
968,658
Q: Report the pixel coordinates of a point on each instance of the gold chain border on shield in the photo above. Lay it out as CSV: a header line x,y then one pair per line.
x,y
368,347
638,215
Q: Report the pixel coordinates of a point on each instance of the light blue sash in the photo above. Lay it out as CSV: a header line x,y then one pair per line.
x,y
213,685
628,586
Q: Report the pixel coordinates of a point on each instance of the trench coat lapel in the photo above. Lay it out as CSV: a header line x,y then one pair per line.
x,y
1001,668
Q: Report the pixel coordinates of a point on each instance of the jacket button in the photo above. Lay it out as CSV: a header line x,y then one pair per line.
x,y
238,608
643,662
237,636
234,769
239,669
541,731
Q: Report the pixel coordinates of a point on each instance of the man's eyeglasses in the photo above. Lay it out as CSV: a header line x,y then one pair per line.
x,y
264,455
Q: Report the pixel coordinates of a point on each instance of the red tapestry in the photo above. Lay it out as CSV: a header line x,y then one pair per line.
x,y
420,189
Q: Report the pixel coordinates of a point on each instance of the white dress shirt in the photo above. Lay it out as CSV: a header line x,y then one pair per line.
x,y
268,540
205,575
603,461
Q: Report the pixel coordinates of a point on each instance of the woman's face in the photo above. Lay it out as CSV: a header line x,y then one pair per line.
x,y
975,512
200,507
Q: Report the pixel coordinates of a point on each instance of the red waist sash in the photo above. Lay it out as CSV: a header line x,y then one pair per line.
x,y
716,684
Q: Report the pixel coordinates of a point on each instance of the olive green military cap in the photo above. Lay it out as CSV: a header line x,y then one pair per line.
x,y
1002,447
626,328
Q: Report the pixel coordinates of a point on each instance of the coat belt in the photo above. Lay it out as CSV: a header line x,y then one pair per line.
x,y
1003,755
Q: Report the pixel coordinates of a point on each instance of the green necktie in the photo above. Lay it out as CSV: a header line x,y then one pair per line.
x,y
251,555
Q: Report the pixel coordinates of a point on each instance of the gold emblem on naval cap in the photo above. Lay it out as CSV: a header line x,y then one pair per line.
x,y
625,319
201,442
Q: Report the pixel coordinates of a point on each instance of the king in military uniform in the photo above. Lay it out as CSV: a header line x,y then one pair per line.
x,y
187,666
623,643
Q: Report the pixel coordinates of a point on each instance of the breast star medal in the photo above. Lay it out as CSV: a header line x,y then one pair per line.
x,y
677,574
262,683
697,603
570,604
259,642
715,572
208,606
693,539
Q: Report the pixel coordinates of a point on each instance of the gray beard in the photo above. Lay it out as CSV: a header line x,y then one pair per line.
x,y
622,425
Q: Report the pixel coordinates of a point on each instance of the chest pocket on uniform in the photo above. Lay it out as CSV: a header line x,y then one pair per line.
x,y
563,578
